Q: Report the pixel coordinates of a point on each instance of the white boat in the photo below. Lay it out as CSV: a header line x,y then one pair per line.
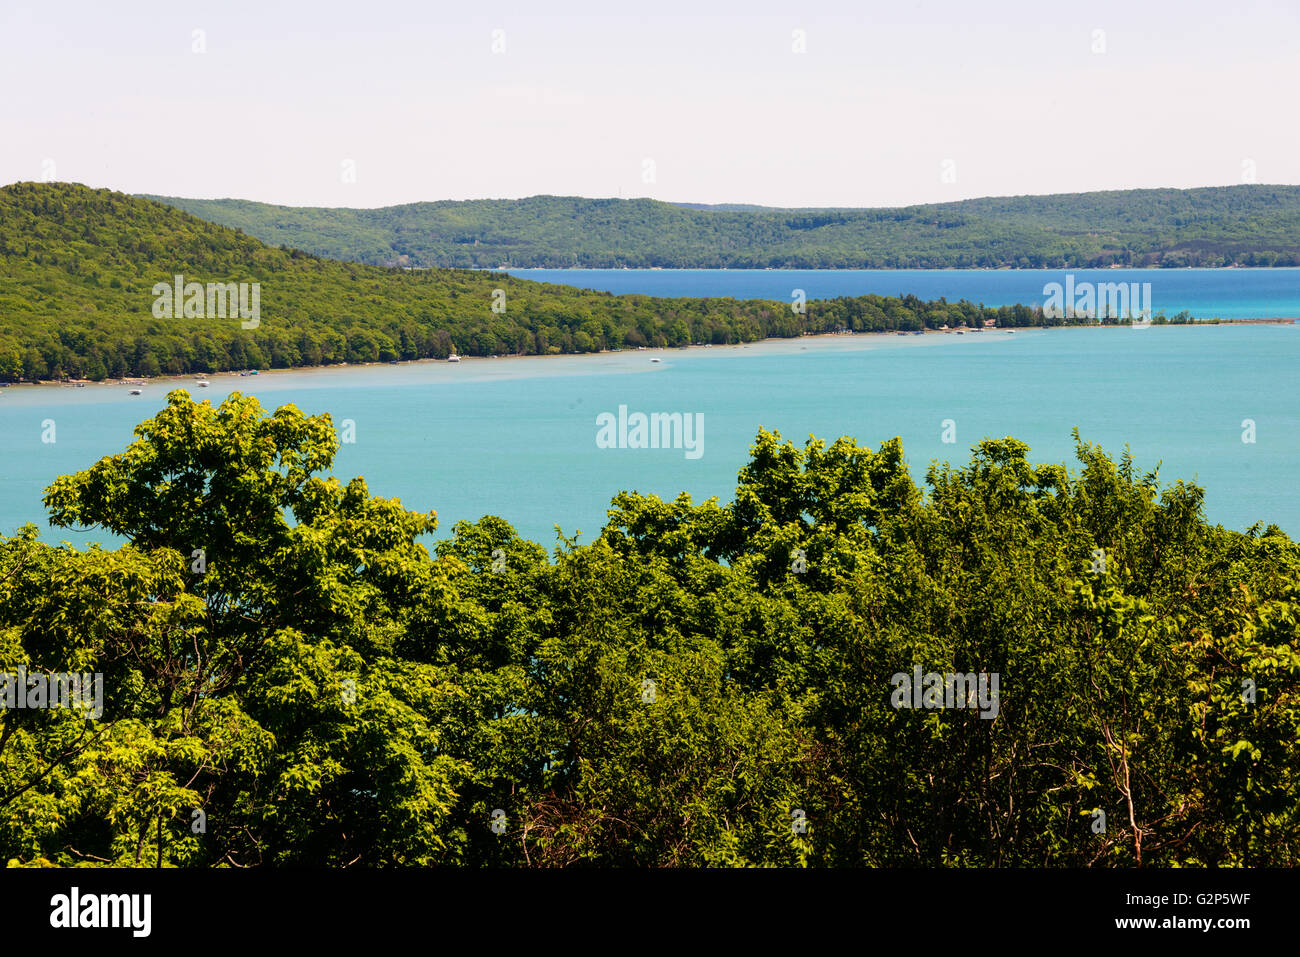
x,y
453,358
654,360
202,383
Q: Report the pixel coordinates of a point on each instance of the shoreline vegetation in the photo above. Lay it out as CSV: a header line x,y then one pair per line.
x,y
191,377
82,272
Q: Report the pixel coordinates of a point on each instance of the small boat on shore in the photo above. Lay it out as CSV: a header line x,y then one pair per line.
x,y
453,358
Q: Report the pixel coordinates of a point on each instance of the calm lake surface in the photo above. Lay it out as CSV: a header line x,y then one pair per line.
x,y
517,437
1205,293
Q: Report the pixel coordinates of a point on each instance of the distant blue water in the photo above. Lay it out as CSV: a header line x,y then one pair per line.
x,y
1205,293
516,437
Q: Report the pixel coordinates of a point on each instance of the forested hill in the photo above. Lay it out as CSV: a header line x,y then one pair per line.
x,y
1249,225
80,270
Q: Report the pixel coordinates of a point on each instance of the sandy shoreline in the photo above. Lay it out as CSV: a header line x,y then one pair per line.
x,y
184,378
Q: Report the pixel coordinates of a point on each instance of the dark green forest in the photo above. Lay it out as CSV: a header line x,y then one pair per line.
x,y
1247,225
78,266
705,684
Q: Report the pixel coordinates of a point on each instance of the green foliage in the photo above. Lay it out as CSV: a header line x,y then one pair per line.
x,y
1247,225
78,268
327,692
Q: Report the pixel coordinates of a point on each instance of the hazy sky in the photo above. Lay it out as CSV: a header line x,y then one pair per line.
x,y
889,104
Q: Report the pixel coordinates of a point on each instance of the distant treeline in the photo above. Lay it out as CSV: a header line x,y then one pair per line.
x,y
1247,225
81,265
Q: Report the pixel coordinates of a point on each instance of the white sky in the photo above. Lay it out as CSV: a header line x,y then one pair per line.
x,y
1010,91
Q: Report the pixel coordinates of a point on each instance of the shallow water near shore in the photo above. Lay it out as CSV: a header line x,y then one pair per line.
x,y
517,437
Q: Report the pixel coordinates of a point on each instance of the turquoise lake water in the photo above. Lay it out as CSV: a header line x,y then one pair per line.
x,y
517,437
1205,293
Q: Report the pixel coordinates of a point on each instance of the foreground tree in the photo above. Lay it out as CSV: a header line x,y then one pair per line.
x,y
245,636
291,678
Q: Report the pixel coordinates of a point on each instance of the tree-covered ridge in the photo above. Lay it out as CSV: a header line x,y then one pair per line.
x,y
78,268
326,691
1247,225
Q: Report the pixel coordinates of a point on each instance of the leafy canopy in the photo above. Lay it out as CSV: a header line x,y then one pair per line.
x,y
321,689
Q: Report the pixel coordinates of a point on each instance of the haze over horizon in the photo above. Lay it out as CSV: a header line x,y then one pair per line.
x,y
678,202
822,104
825,104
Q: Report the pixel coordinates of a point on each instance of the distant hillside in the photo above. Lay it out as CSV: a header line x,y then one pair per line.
x,y
79,270
1247,225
